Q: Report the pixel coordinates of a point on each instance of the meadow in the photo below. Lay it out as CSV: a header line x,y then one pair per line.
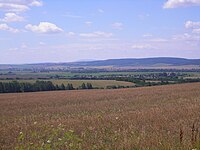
x,y
147,118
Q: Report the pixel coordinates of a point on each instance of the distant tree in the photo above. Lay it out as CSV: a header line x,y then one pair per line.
x,y
50,86
6,87
26,87
57,87
43,86
62,87
83,86
15,86
89,86
111,87
69,87
1,87
38,86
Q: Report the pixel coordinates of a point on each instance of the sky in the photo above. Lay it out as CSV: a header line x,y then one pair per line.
x,y
36,31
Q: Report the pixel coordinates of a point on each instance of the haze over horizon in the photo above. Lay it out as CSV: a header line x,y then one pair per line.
x,y
37,31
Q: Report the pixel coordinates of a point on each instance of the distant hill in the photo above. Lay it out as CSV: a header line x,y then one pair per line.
x,y
166,61
128,62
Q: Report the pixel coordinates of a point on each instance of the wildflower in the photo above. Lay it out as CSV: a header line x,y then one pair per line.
x,y
91,128
48,141
20,132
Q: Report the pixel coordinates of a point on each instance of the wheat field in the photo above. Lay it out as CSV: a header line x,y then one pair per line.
x,y
147,118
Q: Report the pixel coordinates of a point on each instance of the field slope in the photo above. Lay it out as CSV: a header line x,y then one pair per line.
x,y
161,117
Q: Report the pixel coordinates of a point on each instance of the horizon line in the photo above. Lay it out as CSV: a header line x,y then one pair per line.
x,y
79,61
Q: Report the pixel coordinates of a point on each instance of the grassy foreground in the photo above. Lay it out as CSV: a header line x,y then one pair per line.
x,y
157,118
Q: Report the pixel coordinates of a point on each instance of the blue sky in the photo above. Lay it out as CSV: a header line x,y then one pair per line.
x,y
33,31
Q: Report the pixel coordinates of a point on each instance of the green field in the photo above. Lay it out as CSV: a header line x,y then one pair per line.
x,y
28,74
77,83
57,74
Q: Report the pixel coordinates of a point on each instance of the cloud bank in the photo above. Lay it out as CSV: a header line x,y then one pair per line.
x,y
5,27
181,3
12,17
18,5
44,27
97,34
117,25
195,26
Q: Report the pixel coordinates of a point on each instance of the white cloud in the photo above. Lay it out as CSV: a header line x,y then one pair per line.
x,y
97,34
13,49
142,46
5,27
197,31
13,7
69,15
18,5
42,43
71,34
191,39
36,3
147,35
186,37
12,17
157,40
143,16
117,25
88,23
190,24
195,26
44,27
101,11
181,3
23,46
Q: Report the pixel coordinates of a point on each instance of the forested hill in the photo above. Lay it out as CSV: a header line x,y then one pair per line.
x,y
144,62
141,62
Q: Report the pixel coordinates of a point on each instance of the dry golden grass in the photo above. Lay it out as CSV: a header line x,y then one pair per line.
x,y
161,117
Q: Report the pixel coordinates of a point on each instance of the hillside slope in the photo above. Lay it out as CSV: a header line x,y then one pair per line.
x,y
140,118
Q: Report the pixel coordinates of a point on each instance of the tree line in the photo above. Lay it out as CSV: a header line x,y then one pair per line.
x,y
17,87
140,82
